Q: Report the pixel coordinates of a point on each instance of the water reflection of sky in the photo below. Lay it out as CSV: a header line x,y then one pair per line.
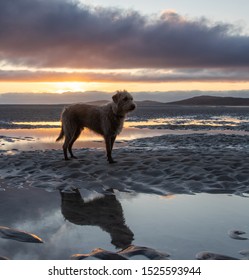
x,y
222,123
221,120
191,120
182,225
42,135
44,138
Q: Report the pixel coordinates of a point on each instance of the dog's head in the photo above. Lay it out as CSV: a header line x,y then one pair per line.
x,y
123,103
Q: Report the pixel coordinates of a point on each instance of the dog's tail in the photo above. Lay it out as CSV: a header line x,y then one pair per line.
x,y
61,135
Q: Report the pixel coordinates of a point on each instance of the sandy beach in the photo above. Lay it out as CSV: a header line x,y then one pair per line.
x,y
161,165
196,166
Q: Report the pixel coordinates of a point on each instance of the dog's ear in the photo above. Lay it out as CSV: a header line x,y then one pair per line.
x,y
116,97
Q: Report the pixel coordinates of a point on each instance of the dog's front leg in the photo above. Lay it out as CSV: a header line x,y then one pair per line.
x,y
113,138
109,144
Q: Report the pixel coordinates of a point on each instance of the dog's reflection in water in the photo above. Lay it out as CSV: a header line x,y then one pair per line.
x,y
105,212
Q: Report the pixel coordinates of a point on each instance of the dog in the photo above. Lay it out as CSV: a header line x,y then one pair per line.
x,y
106,120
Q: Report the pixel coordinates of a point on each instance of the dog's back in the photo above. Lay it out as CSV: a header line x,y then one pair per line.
x,y
84,115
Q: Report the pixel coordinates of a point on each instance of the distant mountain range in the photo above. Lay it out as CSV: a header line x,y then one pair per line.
x,y
202,100
206,100
159,98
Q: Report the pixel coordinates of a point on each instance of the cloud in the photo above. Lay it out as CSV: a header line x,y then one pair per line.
x,y
60,33
139,76
53,98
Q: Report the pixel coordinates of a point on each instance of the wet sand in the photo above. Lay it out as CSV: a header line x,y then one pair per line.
x,y
160,165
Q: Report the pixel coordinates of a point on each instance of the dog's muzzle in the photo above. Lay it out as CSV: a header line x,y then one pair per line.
x,y
133,107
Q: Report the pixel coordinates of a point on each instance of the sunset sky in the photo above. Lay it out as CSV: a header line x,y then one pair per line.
x,y
56,46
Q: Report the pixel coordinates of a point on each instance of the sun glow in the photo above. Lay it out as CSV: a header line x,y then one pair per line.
x,y
61,87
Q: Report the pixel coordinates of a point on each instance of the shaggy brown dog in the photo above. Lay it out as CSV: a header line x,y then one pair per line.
x,y
106,120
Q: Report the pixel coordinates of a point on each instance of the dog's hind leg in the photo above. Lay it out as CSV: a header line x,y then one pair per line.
x,y
72,140
65,147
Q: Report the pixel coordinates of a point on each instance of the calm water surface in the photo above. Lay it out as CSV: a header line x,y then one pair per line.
x,y
181,225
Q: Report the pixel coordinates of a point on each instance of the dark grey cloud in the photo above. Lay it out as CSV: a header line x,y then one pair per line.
x,y
60,33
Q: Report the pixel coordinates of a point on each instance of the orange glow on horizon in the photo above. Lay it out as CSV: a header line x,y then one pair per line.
x,y
60,87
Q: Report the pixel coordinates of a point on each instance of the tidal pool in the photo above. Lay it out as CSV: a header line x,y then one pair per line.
x,y
71,223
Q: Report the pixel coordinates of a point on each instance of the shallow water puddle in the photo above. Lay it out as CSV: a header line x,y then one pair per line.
x,y
72,223
44,138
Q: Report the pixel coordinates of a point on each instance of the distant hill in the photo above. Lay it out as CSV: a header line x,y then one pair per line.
x,y
206,100
146,103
